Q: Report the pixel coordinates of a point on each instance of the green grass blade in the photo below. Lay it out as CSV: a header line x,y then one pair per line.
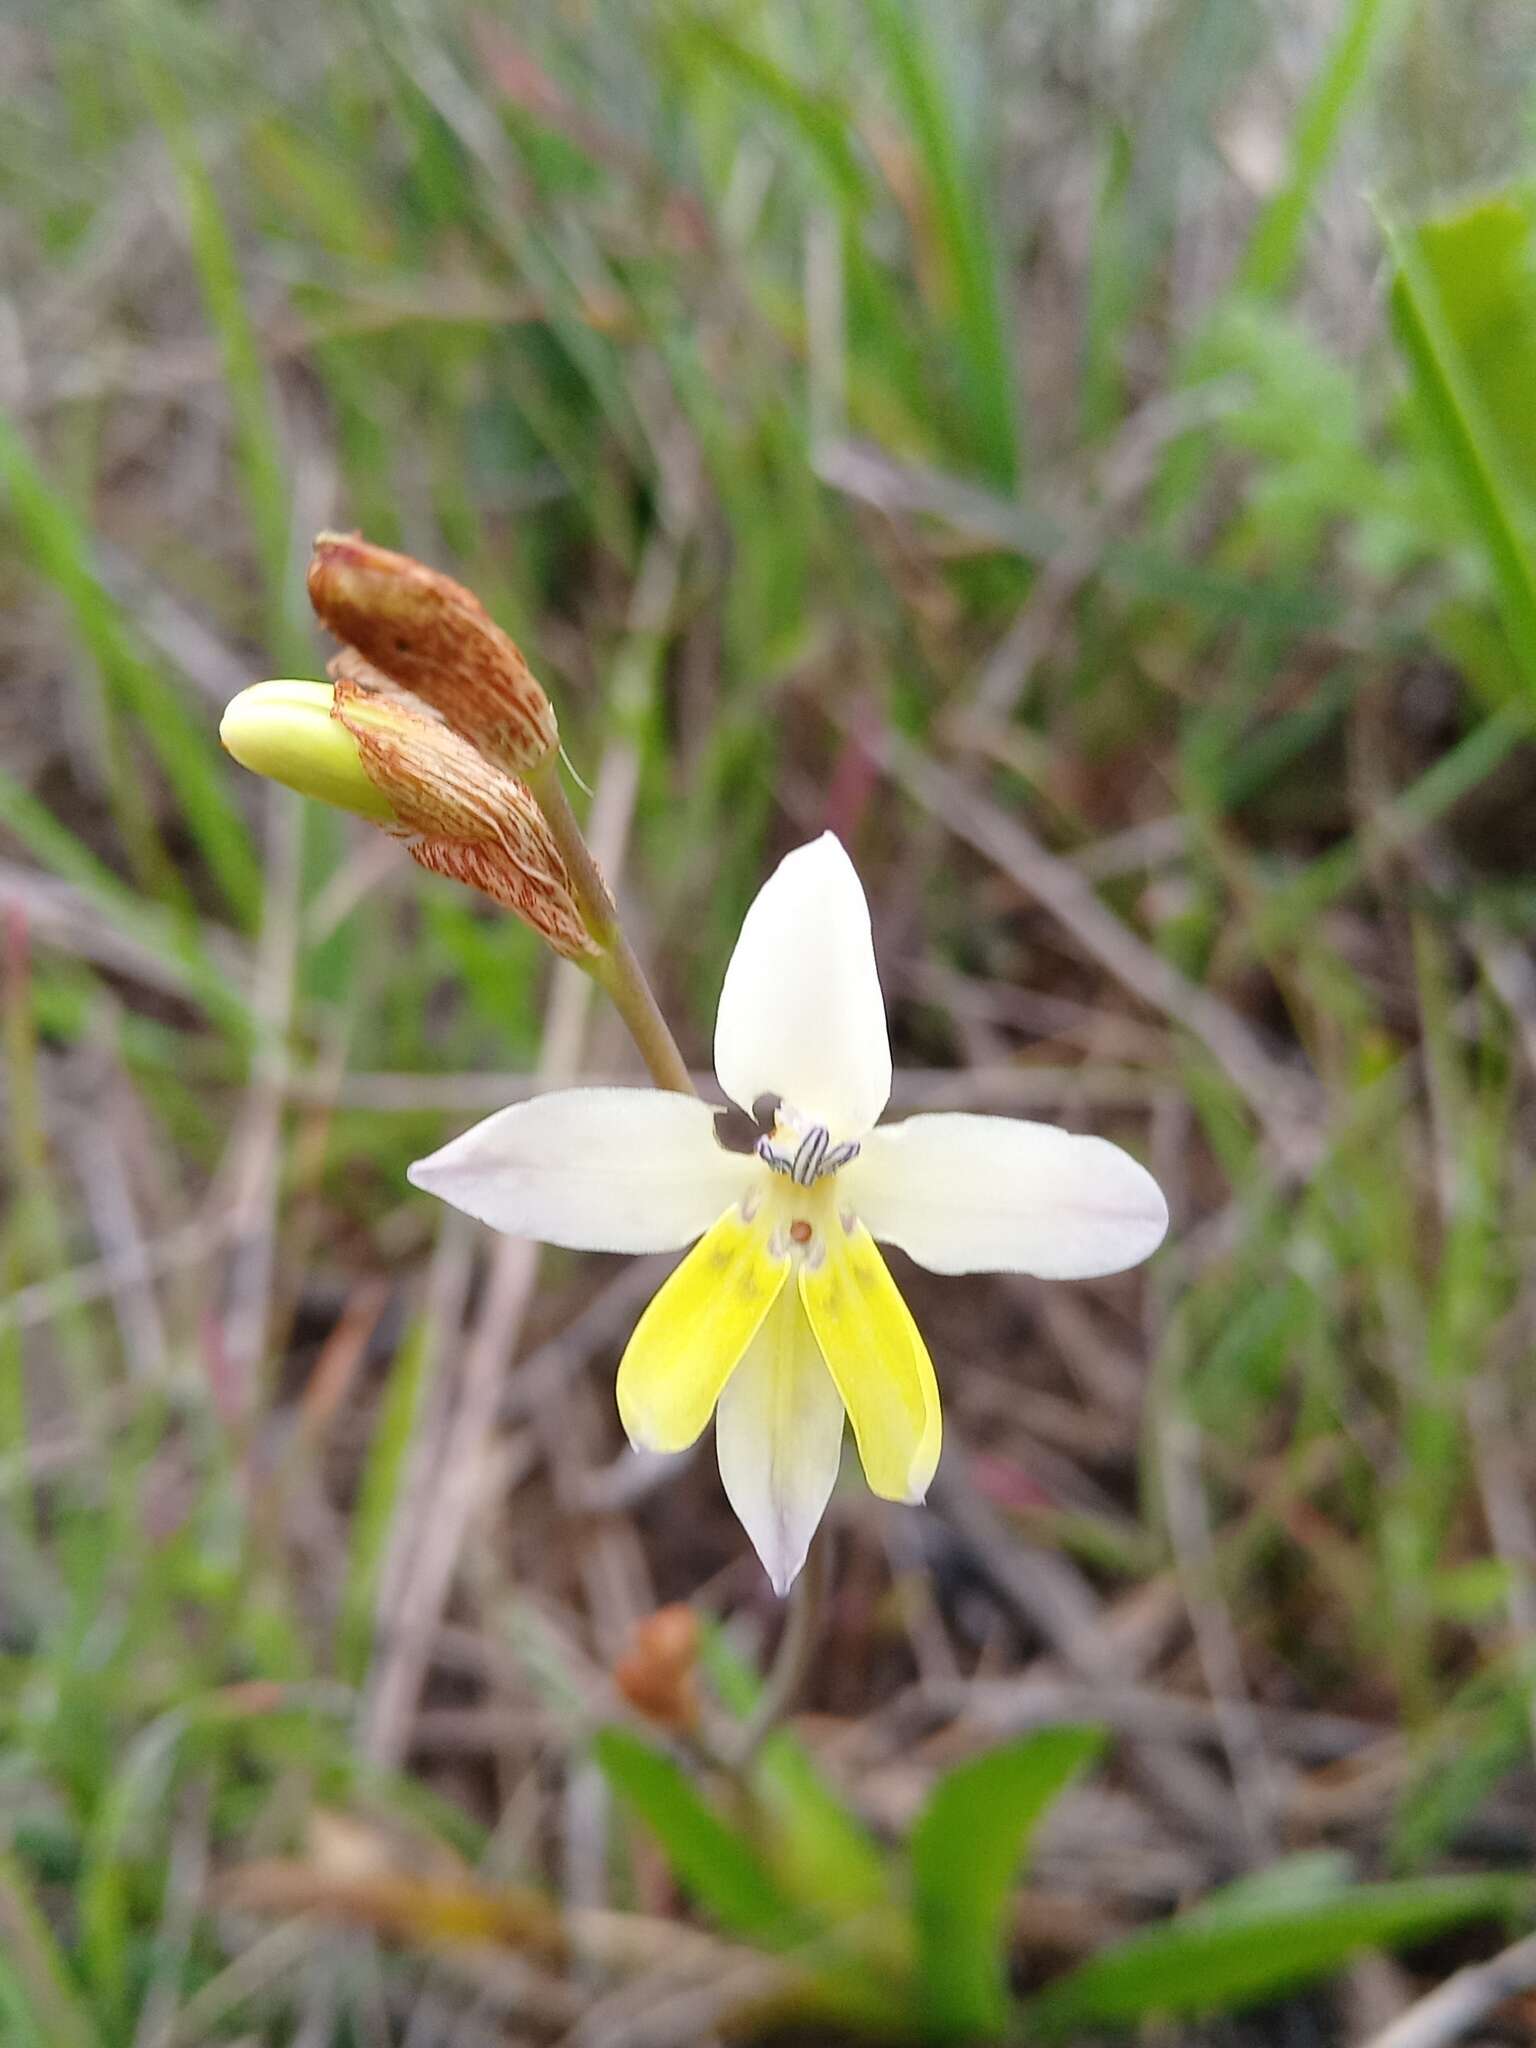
x,y
1272,252
964,240
40,1206
1022,527
174,941
378,1494
127,799
36,1966
185,748
257,441
814,117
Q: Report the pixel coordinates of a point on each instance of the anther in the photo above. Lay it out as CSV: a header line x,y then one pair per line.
x,y
771,1157
812,1158
809,1154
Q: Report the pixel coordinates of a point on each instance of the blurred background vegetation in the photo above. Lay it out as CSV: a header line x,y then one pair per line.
x,y
1085,455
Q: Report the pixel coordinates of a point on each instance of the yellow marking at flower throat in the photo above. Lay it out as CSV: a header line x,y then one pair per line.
x,y
689,1340
877,1357
699,1326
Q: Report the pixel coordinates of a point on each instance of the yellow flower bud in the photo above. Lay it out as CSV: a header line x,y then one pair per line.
x,y
435,638
390,761
286,731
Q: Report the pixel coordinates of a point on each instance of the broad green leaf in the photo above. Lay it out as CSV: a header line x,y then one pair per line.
x,y
1480,262
966,1850
717,1865
853,1954
1464,302
821,1853
1220,1957
1293,1882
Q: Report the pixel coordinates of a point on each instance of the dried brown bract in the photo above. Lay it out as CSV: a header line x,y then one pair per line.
x,y
435,638
459,815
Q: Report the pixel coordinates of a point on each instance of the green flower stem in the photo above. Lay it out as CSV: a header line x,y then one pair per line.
x,y
615,970
792,1660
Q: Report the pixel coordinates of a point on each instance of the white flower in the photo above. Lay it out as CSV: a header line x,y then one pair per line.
x,y
784,1316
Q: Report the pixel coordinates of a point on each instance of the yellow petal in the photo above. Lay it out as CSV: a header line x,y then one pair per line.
x,y
689,1340
878,1360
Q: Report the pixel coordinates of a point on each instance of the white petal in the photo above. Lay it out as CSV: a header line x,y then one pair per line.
x,y
801,1014
989,1194
779,1434
598,1169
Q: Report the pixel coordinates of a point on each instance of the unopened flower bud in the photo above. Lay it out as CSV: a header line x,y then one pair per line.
x,y
436,639
286,731
390,761
656,1674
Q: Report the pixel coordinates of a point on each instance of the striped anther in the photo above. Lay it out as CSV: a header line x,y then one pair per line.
x,y
813,1158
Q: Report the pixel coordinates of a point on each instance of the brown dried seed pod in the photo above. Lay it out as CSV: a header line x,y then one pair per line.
x,y
434,637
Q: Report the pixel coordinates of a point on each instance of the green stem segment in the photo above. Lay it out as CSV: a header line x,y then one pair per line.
x,y
615,969
795,1654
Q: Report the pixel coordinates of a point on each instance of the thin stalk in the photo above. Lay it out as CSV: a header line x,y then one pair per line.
x,y
615,970
792,1659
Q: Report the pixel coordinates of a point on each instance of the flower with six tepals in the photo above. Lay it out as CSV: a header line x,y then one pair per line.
x,y
784,1318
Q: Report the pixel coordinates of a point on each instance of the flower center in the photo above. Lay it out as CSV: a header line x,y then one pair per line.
x,y
796,1220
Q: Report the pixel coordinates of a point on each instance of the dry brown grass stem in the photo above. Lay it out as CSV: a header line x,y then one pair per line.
x,y
1450,2012
1283,1098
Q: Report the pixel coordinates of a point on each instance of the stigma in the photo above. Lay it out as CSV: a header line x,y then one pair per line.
x,y
796,1219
